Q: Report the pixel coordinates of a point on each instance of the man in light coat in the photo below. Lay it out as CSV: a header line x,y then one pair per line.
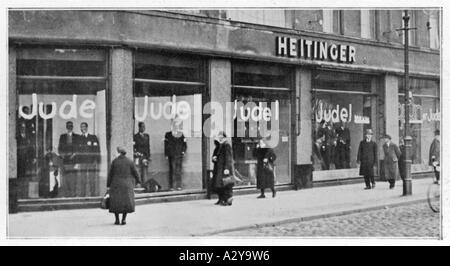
x,y
391,156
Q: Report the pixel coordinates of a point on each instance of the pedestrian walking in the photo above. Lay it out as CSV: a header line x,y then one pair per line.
x,y
435,153
223,168
121,182
265,168
391,156
401,160
367,158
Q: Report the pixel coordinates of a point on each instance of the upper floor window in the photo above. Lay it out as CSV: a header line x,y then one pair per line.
x,y
332,21
272,17
433,22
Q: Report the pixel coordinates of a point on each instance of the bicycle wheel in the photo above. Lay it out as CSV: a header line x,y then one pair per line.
x,y
434,197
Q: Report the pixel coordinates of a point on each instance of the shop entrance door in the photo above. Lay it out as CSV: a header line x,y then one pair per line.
x,y
277,105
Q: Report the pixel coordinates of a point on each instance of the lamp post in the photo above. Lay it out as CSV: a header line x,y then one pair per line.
x,y
407,182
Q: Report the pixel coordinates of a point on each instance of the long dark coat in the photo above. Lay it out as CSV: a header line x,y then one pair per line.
x,y
121,182
435,150
368,156
391,157
224,162
265,178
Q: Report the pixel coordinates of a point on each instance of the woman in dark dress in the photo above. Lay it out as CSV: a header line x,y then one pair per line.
x,y
223,167
265,168
121,182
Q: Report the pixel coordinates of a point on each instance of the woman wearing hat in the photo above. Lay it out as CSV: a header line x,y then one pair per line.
x,y
121,182
391,156
223,167
368,157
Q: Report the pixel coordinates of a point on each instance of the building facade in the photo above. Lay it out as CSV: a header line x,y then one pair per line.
x,y
82,83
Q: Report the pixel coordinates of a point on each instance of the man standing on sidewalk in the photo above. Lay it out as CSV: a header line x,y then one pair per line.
x,y
391,156
367,157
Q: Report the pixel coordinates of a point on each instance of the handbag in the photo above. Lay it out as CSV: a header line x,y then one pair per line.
x,y
228,181
104,203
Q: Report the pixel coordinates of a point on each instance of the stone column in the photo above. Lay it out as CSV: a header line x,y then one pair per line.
x,y
220,86
303,91
122,108
303,168
220,92
12,144
391,107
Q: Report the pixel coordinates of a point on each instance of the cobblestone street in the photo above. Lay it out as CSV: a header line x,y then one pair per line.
x,y
406,221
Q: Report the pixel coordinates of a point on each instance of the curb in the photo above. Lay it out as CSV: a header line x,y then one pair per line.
x,y
313,217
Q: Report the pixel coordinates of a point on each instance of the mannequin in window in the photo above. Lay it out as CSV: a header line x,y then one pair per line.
x,y
67,149
88,158
174,150
142,151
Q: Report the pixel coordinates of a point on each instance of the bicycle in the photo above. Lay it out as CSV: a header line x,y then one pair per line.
x,y
434,191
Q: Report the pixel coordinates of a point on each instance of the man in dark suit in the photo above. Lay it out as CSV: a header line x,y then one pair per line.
x,y
88,158
391,156
67,149
142,151
342,155
367,157
174,149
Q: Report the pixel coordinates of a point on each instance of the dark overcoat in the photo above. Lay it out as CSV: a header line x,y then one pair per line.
x,y
435,150
391,157
265,177
224,162
142,144
368,156
121,182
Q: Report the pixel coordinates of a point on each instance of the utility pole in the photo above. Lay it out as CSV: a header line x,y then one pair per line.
x,y
407,182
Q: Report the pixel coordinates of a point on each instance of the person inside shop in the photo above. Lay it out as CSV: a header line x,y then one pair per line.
x,y
142,151
223,168
367,158
265,168
326,147
122,179
174,149
342,150
391,156
435,154
88,158
25,152
50,174
317,155
67,149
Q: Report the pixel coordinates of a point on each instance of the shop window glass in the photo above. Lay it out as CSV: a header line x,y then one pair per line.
x,y
263,89
168,95
424,119
61,96
341,113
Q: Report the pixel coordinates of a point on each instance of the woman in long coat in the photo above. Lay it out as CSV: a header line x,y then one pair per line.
x,y
265,168
223,167
391,156
121,182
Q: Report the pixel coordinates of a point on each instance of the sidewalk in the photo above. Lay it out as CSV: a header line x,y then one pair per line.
x,y
203,218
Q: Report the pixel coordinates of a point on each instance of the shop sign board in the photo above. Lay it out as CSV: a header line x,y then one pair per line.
x,y
314,50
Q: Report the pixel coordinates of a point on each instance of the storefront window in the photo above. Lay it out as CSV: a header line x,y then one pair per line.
x,y
263,94
341,112
168,95
61,134
424,118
